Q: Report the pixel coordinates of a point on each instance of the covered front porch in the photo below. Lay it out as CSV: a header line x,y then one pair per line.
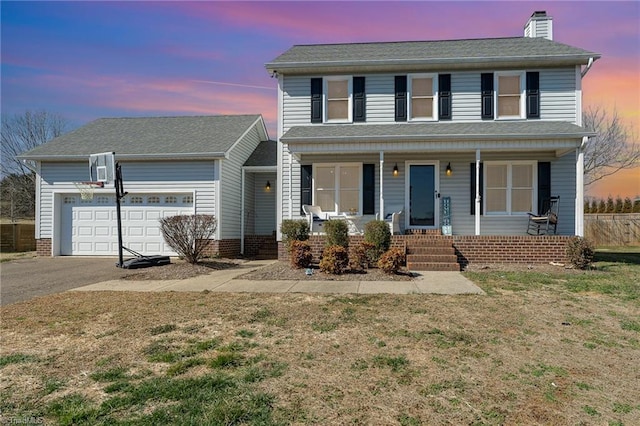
x,y
484,182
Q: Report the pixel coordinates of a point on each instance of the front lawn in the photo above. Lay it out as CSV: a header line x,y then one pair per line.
x,y
540,348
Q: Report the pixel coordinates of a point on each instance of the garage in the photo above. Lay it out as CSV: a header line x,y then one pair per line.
x,y
89,227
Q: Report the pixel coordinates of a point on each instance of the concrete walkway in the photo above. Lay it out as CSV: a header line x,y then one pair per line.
x,y
225,281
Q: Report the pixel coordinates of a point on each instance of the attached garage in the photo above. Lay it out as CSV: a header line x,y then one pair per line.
x,y
89,227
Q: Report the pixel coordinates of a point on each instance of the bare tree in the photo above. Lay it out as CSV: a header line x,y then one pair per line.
x,y
615,147
21,133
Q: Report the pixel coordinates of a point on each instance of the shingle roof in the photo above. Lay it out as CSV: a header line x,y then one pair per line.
x,y
151,137
435,131
265,154
444,52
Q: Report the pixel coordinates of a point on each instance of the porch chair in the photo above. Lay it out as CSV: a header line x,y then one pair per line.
x,y
315,216
543,223
393,219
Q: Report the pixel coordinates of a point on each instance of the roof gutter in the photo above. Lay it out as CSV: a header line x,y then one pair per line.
x,y
119,157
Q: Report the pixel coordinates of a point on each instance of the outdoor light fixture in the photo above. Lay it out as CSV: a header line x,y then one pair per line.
x,y
267,187
448,171
395,170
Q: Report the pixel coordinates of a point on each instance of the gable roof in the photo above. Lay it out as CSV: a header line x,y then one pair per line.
x,y
201,137
265,155
385,56
494,130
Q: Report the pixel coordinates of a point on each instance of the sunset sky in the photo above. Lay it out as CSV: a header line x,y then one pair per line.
x,y
87,60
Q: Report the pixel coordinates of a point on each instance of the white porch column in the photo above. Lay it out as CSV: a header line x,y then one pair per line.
x,y
579,231
290,185
381,185
477,210
242,212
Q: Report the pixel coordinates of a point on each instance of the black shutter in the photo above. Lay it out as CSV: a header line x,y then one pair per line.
x,y
472,191
305,185
486,90
444,96
533,94
401,98
544,186
316,100
359,99
368,189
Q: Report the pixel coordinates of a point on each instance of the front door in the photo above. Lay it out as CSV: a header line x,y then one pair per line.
x,y
422,194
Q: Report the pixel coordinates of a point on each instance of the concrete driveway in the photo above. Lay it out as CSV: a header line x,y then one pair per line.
x,y
24,279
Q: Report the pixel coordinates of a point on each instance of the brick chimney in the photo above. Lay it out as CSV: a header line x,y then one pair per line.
x,y
539,25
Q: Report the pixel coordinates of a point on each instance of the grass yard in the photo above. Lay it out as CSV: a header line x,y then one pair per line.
x,y
559,347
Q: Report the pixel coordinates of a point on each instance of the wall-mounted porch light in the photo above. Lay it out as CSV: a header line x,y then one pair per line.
x,y
395,170
448,171
267,187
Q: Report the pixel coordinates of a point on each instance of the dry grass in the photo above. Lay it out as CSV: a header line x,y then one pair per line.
x,y
534,351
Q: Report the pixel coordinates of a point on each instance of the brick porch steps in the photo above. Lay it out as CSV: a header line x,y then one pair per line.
x,y
432,253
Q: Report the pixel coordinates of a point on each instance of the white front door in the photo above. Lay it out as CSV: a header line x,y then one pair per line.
x,y
89,227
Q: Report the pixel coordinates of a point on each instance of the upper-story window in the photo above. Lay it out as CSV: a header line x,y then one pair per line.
x,y
516,95
510,95
423,97
338,99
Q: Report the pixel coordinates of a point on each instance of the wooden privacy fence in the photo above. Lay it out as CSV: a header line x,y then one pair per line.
x,y
17,237
612,229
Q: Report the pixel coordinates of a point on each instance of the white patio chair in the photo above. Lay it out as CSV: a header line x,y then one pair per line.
x,y
315,216
393,218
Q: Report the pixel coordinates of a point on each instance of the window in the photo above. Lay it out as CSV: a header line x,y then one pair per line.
x,y
170,199
102,200
153,200
338,99
69,200
509,95
136,200
509,187
337,187
187,199
422,96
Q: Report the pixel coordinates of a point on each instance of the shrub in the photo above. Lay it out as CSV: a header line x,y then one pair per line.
x,y
335,260
391,261
580,252
301,255
294,230
377,233
188,235
358,259
337,233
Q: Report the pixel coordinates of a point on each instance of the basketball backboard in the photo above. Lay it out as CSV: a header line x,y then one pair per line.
x,y
102,168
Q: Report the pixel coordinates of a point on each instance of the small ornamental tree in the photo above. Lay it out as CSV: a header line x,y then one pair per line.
x,y
377,232
294,230
337,233
188,235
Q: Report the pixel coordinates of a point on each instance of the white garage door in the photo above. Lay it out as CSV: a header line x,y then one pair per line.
x,y
90,227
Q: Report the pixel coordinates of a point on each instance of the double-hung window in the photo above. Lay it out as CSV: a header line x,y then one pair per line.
x,y
510,101
423,103
338,99
510,187
337,187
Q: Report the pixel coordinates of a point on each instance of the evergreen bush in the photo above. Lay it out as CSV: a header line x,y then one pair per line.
x,y
580,252
391,261
377,233
294,230
335,260
337,233
300,255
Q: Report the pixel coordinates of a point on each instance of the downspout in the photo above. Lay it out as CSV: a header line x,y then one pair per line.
x,y
579,210
242,211
477,210
381,186
587,68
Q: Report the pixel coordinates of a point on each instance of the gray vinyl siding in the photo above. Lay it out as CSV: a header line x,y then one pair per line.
x,y
265,204
231,185
563,183
465,96
558,98
138,177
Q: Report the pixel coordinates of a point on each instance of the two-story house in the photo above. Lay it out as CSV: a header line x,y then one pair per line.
x,y
472,133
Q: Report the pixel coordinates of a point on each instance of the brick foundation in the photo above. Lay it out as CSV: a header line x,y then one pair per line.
x,y
223,248
253,243
43,247
483,249
510,249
